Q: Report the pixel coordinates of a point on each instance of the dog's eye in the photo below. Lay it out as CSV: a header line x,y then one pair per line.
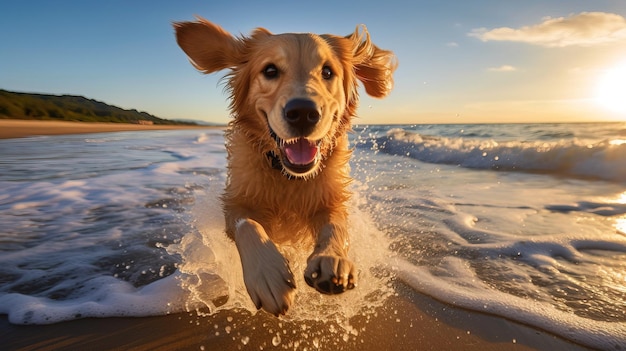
x,y
270,71
327,73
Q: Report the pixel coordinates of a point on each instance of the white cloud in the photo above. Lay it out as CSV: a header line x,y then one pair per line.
x,y
503,68
583,29
452,44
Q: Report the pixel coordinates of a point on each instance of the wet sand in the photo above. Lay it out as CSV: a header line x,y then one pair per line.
x,y
408,321
12,128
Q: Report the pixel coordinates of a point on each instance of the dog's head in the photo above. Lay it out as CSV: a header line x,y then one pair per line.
x,y
293,95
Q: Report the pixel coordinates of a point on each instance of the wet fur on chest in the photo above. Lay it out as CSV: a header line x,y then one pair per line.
x,y
288,208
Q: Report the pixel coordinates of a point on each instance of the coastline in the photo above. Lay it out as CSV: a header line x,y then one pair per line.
x,y
14,128
407,321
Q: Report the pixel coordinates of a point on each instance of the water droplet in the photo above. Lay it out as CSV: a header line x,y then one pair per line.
x,y
276,340
245,340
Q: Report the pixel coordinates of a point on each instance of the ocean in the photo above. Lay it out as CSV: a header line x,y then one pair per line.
x,y
522,221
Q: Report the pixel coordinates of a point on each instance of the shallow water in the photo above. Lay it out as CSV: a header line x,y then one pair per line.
x,y
523,221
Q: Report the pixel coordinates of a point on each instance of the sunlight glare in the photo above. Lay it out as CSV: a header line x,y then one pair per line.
x,y
621,198
611,89
620,225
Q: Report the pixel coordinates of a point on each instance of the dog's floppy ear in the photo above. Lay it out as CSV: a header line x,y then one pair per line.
x,y
209,47
373,66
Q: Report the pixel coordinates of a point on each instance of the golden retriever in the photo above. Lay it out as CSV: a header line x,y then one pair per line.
x,y
292,98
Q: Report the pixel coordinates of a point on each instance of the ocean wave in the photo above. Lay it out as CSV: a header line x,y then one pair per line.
x,y
468,291
604,160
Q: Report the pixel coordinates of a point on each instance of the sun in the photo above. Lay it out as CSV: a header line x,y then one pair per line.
x,y
610,90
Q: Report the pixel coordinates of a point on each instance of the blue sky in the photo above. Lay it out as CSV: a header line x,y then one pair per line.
x,y
460,62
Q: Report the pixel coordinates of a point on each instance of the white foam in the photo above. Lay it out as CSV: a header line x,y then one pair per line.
x,y
79,239
463,288
111,297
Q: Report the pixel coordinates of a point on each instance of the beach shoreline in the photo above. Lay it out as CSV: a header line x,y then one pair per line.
x,y
14,128
407,321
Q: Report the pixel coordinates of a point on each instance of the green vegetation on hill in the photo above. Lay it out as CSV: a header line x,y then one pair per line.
x,y
70,108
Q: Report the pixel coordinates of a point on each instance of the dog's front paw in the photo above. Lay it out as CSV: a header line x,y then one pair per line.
x,y
330,274
266,272
270,283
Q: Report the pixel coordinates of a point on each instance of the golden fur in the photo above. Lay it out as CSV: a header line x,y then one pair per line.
x,y
270,198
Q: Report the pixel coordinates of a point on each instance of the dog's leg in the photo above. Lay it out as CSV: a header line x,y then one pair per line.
x,y
328,269
266,272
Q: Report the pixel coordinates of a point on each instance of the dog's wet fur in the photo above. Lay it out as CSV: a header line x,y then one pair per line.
x,y
292,98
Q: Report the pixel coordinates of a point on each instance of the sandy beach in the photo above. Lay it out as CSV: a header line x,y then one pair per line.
x,y
11,128
408,321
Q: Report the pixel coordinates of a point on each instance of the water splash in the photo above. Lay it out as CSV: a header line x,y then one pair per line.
x,y
211,270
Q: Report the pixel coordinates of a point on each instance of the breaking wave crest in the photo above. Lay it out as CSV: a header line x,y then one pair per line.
x,y
604,160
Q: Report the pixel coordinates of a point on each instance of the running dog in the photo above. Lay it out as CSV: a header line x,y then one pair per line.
x,y
292,98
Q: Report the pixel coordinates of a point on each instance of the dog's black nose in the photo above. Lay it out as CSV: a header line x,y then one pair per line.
x,y
301,114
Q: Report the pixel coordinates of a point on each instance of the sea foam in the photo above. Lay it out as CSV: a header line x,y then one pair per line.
x,y
466,290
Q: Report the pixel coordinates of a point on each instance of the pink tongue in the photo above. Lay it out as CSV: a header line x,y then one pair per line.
x,y
302,152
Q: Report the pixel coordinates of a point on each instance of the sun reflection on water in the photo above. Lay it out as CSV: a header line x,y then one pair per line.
x,y
621,198
620,225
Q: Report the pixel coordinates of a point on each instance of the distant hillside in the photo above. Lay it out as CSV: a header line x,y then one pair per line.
x,y
70,108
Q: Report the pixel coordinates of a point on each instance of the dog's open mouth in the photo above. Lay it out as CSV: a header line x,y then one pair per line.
x,y
299,156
